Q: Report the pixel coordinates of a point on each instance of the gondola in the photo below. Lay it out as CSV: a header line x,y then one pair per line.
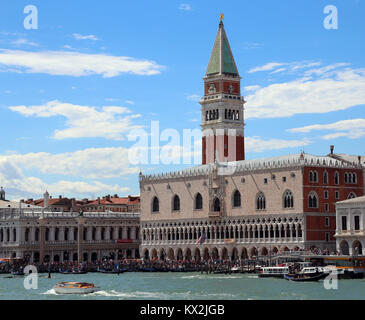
x,y
111,271
72,271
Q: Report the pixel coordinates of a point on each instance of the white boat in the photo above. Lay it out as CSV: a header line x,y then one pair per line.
x,y
274,272
74,287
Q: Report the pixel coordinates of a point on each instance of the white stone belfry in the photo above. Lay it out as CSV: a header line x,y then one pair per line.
x,y
46,199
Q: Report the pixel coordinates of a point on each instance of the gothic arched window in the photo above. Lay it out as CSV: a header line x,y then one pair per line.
x,y
288,200
155,205
176,203
198,201
236,199
216,205
260,202
337,178
312,200
325,177
351,195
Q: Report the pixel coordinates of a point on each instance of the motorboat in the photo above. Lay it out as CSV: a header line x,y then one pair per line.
x,y
307,274
74,288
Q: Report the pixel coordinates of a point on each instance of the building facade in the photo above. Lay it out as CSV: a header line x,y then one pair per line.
x,y
230,207
350,222
40,235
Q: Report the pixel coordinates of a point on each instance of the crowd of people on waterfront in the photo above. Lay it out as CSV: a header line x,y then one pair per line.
x,y
150,265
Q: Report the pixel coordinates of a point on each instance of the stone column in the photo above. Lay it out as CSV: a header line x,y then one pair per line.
x,y
80,234
107,233
89,232
133,233
124,233
61,235
98,233
42,239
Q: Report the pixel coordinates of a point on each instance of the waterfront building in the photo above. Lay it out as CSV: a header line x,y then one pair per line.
x,y
60,204
41,235
112,203
230,207
350,222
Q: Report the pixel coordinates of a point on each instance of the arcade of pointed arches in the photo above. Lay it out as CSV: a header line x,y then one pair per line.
x,y
213,252
269,230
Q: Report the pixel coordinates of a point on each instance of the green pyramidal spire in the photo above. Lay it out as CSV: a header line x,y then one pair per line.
x,y
221,60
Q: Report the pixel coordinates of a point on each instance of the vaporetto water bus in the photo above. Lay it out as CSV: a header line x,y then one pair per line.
x,y
274,272
346,267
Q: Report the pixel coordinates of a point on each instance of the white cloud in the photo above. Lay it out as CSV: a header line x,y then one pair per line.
x,y
185,7
129,102
18,185
109,122
74,63
22,41
257,144
193,97
267,67
251,88
285,66
93,163
252,45
322,90
78,36
353,129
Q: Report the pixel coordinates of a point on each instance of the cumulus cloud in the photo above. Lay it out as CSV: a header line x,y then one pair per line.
x,y
109,122
88,163
19,185
353,129
330,88
76,64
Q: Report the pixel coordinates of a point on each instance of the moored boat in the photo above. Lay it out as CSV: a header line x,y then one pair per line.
x,y
274,272
74,288
305,278
307,274
17,272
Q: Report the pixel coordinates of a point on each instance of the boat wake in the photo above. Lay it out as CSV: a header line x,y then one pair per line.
x,y
50,291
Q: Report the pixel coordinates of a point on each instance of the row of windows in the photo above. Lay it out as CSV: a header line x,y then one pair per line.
x,y
356,222
313,198
288,202
349,177
6,235
228,114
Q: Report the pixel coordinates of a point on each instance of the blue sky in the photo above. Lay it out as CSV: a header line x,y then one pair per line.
x,y
73,89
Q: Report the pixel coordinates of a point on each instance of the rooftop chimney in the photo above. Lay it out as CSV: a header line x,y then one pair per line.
x,y
359,159
331,148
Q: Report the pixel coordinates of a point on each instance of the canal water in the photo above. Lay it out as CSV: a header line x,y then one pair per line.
x,y
182,286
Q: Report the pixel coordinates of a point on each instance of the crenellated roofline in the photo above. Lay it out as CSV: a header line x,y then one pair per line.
x,y
280,162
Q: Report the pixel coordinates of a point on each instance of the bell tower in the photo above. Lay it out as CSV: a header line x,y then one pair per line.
x,y
222,105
